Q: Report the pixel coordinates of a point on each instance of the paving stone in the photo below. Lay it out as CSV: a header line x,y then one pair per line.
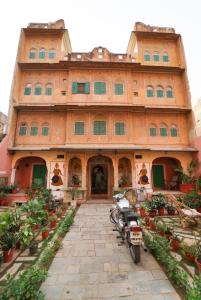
x,y
11,271
158,274
25,258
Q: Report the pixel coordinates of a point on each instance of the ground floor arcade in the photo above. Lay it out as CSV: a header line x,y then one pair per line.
x,y
96,174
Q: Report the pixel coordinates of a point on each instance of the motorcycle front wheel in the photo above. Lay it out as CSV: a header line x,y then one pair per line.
x,y
135,253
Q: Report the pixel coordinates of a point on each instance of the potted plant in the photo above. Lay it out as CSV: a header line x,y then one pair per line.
x,y
192,200
33,247
59,212
189,251
175,242
7,242
187,181
144,209
160,203
198,258
53,221
45,232
124,181
25,235
75,180
152,209
3,198
170,209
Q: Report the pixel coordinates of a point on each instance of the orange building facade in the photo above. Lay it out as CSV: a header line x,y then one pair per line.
x,y
99,121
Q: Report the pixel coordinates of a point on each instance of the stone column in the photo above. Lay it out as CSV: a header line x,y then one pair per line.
x,y
12,176
115,165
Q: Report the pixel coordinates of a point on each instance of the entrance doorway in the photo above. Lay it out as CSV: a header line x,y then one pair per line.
x,y
158,176
100,179
39,175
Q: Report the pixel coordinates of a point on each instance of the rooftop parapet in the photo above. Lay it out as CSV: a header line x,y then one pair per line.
x,y
59,24
139,26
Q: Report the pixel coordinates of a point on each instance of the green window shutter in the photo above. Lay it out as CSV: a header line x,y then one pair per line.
x,y
118,89
51,55
152,131
159,93
45,131
165,58
32,54
48,91
87,88
173,131
34,131
99,88
169,94
27,91
156,57
23,130
147,57
79,128
99,127
149,93
119,129
74,88
163,132
38,91
42,54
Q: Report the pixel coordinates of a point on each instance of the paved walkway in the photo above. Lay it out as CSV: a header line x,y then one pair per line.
x,y
91,265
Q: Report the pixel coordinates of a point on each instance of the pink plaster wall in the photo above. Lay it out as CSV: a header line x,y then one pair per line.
x,y
5,160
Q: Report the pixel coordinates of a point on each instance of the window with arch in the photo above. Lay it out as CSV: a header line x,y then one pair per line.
x,y
27,89
38,89
34,129
147,56
169,92
160,93
156,56
119,128
165,57
118,88
48,89
99,128
23,129
45,129
42,53
79,128
51,53
163,130
99,88
150,91
173,130
152,130
32,53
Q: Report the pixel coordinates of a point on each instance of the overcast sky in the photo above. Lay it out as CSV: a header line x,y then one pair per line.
x,y
106,23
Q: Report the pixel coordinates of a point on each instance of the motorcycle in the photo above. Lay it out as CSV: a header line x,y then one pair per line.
x,y
127,224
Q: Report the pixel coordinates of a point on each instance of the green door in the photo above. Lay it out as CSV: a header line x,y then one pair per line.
x,y
158,176
39,175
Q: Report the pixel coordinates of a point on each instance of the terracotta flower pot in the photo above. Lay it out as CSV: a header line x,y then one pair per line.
x,y
53,224
161,211
152,225
189,257
147,220
8,255
175,244
171,212
186,187
198,264
143,213
152,214
45,234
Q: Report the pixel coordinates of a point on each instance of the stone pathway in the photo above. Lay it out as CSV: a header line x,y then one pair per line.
x,y
91,265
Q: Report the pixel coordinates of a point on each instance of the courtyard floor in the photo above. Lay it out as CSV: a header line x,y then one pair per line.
x,y
91,265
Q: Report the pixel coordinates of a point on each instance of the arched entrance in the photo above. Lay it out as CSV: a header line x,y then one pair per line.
x,y
164,176
30,171
100,179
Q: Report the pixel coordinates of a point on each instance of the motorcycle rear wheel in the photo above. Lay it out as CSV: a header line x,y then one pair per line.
x,y
113,216
135,253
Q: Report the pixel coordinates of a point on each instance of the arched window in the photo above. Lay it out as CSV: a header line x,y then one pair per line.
x,y
150,91
173,130
27,89
48,89
45,129
152,130
160,93
169,92
118,88
147,56
23,129
163,130
38,89
32,53
165,57
99,128
42,53
34,129
156,56
119,128
51,53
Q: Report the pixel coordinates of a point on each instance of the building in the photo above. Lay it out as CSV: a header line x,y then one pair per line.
x,y
3,125
197,116
102,120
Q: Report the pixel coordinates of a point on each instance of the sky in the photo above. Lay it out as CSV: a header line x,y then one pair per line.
x,y
106,23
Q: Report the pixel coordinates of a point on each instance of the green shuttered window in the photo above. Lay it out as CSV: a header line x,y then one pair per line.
x,y
80,88
147,56
79,128
156,56
23,130
169,93
34,131
150,92
48,91
42,53
45,131
165,57
27,91
99,127
38,90
173,131
99,88
51,54
152,131
32,54
119,128
160,93
163,131
118,89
